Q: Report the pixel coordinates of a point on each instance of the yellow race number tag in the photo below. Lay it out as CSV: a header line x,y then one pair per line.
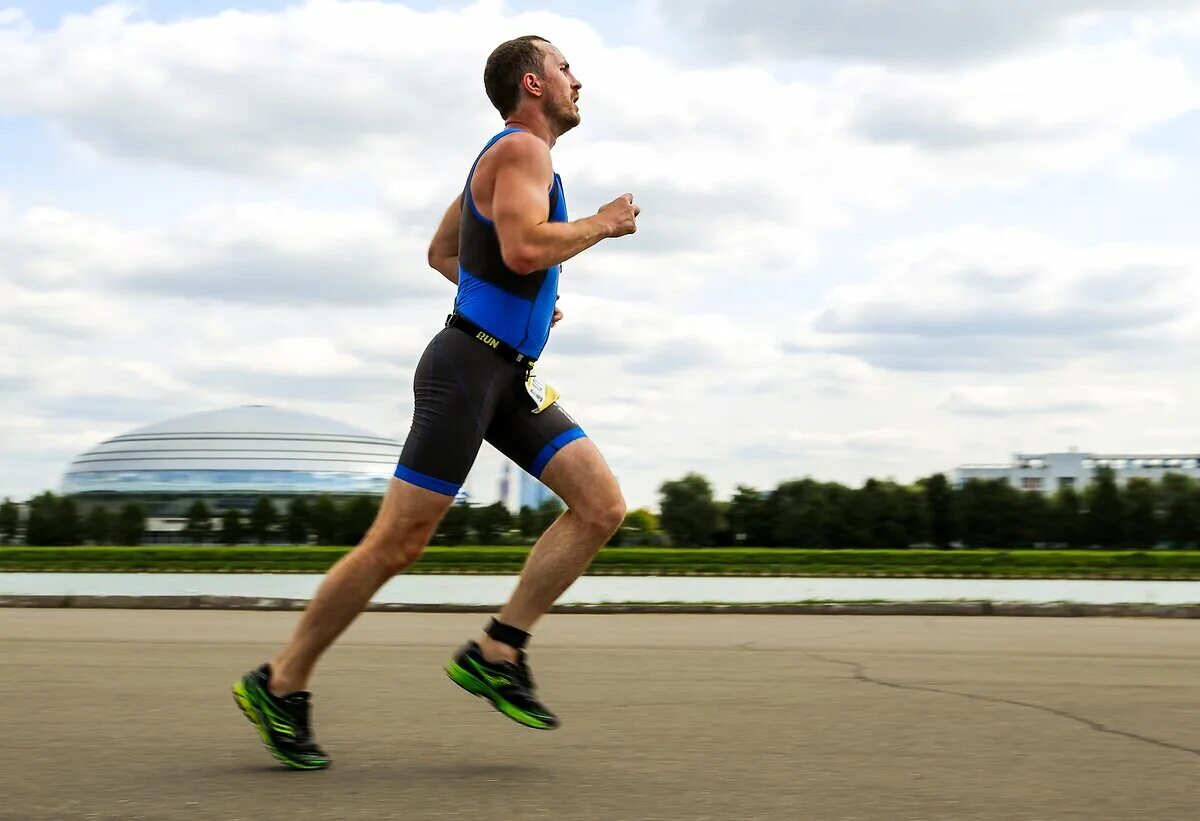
x,y
543,395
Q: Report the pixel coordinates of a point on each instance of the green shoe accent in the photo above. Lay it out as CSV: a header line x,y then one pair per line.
x,y
259,711
476,686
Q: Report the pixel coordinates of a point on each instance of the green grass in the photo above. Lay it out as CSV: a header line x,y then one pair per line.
x,y
630,560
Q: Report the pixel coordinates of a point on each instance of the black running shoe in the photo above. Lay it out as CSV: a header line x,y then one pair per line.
x,y
282,723
507,685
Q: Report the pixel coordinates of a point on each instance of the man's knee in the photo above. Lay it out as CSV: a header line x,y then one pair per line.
x,y
395,556
404,525
582,479
603,516
397,545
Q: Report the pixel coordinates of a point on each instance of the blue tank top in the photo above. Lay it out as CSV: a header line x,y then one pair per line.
x,y
514,308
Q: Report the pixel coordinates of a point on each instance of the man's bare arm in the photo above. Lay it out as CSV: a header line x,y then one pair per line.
x,y
528,240
443,248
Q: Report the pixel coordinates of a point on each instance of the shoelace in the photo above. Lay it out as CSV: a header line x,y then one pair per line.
x,y
526,673
518,673
299,710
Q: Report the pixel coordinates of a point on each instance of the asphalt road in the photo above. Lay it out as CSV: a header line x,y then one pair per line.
x,y
127,714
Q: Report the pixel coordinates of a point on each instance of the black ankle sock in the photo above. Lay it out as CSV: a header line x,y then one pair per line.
x,y
507,634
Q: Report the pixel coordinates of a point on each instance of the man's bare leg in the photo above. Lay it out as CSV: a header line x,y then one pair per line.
x,y
405,523
595,509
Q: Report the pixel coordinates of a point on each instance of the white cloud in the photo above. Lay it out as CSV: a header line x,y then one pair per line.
x,y
982,298
239,91
267,253
885,31
1075,105
1008,400
288,355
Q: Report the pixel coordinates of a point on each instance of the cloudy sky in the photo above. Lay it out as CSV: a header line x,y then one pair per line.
x,y
879,238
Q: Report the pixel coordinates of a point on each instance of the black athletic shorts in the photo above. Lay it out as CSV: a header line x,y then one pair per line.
x,y
465,392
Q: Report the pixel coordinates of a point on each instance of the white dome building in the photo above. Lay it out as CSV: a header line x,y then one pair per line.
x,y
229,457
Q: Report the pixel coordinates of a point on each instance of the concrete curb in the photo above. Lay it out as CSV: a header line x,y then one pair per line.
x,y
933,608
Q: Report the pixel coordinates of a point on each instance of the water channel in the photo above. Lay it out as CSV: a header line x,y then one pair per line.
x,y
493,590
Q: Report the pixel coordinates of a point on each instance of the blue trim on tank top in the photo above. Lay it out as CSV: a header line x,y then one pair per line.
x,y
471,174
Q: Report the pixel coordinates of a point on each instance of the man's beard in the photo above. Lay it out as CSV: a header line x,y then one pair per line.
x,y
565,116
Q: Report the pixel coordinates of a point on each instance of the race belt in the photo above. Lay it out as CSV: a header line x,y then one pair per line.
x,y
498,345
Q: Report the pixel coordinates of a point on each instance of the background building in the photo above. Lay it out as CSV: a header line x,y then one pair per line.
x,y
533,492
504,487
1048,472
228,458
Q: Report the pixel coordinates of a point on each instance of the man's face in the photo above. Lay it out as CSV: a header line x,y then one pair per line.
x,y
562,90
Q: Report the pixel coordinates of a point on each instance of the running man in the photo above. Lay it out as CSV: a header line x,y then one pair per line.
x,y
502,241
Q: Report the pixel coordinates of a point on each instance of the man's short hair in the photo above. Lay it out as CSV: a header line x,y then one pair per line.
x,y
506,65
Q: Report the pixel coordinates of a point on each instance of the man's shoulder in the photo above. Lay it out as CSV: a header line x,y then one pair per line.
x,y
523,148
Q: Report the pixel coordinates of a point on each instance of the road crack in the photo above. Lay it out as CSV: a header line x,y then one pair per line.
x,y
860,674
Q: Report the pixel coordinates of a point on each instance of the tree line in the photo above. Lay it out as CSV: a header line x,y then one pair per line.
x,y
982,513
800,513
55,520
